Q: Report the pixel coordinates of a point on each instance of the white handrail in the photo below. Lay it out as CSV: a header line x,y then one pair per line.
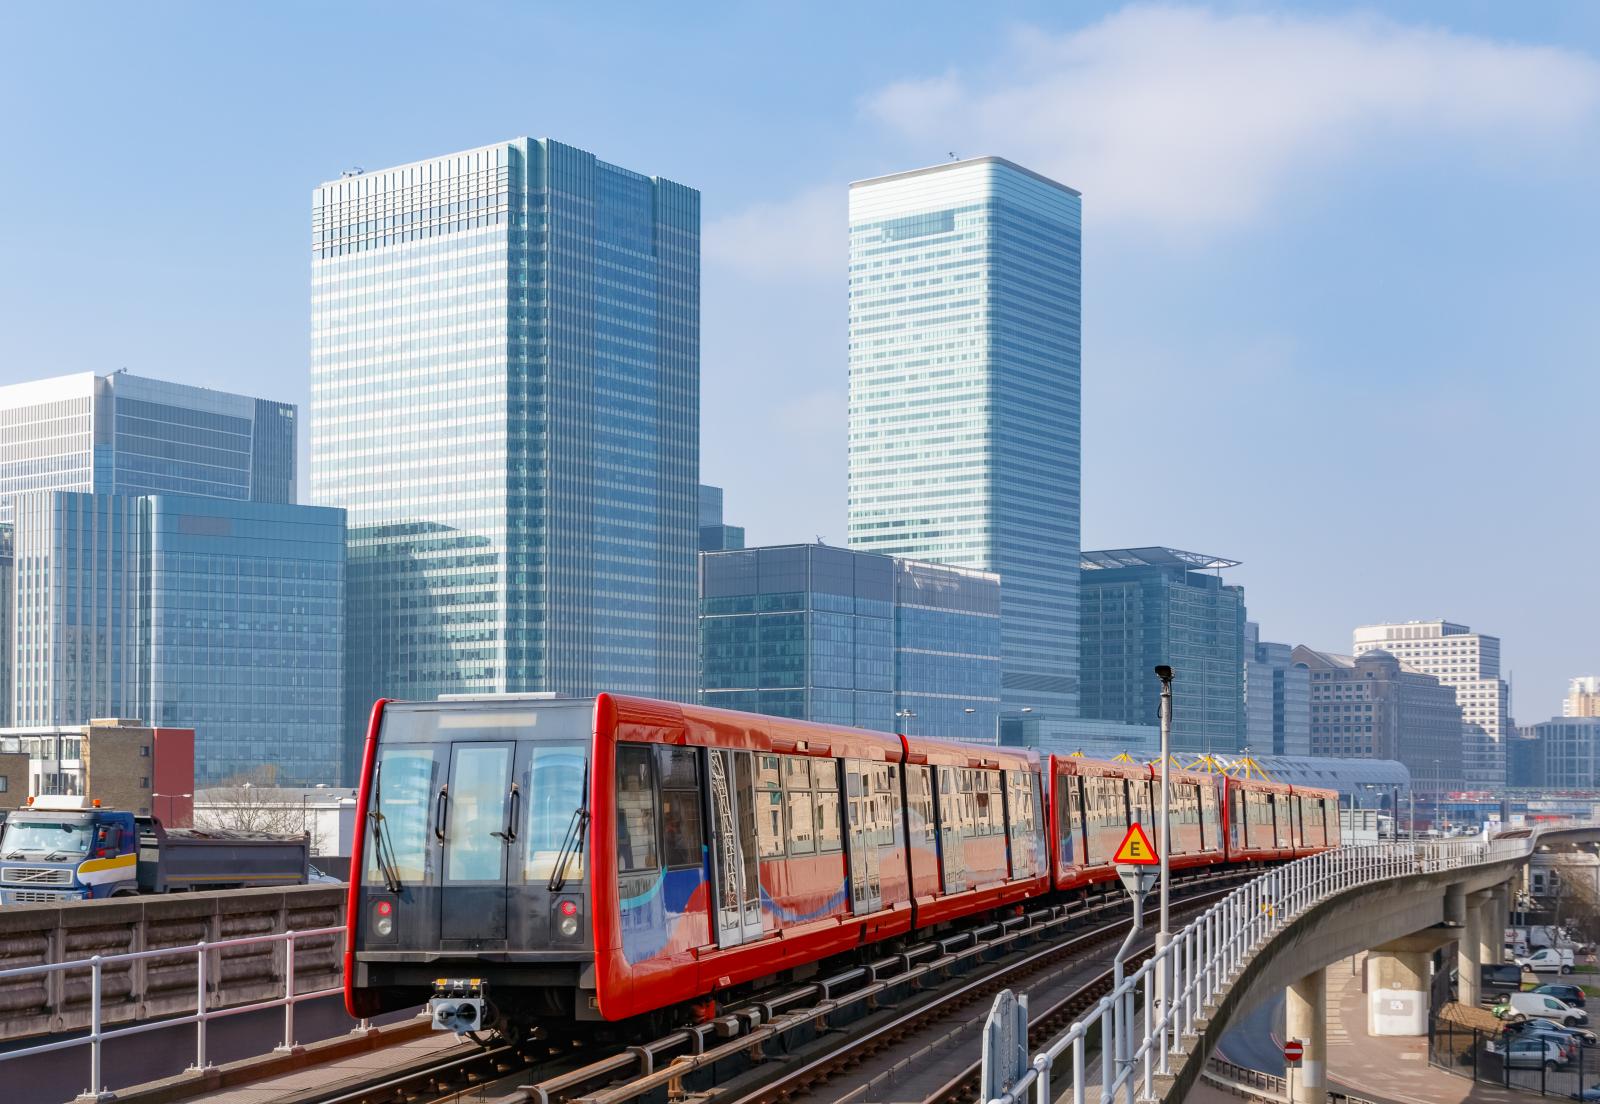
x,y
1202,960
97,1034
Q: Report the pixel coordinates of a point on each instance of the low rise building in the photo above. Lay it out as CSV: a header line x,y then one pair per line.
x,y
1374,707
122,763
852,638
1567,753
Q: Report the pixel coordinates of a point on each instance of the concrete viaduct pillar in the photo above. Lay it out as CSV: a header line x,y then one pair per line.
x,y
1306,1019
1397,988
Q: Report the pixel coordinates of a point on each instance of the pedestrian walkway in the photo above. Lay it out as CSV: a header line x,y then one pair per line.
x,y
1390,1069
1384,1069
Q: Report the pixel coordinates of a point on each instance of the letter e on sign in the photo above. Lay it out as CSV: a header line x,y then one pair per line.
x,y
1136,849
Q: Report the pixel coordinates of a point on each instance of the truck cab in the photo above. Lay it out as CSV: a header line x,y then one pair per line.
x,y
67,849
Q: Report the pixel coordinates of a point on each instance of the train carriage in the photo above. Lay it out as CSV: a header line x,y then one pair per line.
x,y
593,860
977,827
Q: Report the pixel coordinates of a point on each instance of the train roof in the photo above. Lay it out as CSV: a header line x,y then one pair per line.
x,y
674,723
1080,765
949,753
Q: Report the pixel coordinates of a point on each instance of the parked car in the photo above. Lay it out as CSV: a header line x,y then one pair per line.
x,y
1545,1008
1495,980
1528,1053
1566,994
1548,960
1572,1039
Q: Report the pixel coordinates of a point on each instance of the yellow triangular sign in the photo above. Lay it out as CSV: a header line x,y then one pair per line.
x,y
1136,849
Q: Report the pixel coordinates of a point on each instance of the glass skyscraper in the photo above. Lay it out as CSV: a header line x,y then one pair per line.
x,y
505,397
207,613
964,398
1147,606
162,571
851,638
125,434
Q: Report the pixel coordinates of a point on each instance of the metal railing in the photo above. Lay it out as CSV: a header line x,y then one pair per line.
x,y
1137,1034
202,951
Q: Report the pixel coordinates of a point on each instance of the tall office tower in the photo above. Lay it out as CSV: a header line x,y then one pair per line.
x,y
1277,697
1373,706
964,398
163,571
505,372
125,434
1583,698
1149,606
1467,662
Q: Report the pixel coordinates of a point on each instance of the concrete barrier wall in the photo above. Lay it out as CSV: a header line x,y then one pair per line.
x,y
42,1004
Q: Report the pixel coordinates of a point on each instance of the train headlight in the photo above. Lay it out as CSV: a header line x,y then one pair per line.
x,y
383,918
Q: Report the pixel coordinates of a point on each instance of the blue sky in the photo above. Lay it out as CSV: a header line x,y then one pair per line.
x,y
1340,264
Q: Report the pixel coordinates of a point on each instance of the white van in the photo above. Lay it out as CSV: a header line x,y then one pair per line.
x,y
1548,960
1546,1008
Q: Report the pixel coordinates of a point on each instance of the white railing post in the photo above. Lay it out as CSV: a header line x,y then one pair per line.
x,y
96,1080
288,993
200,1007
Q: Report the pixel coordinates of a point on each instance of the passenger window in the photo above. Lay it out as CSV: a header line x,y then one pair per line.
x,y
801,838
828,821
636,810
796,773
767,777
680,806
769,823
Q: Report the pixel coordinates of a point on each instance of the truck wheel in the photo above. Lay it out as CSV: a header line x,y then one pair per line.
x,y
124,892
1566,969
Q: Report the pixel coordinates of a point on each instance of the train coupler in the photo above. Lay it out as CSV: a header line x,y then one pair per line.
x,y
461,1005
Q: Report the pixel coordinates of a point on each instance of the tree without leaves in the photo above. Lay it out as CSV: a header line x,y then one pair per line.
x,y
246,803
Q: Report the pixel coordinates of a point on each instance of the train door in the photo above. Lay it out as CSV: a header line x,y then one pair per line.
x,y
473,821
862,811
735,876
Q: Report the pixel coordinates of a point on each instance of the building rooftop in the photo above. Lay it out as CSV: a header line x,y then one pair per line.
x,y
966,162
1152,557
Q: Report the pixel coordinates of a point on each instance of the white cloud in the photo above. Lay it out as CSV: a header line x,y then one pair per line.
x,y
1182,116
802,237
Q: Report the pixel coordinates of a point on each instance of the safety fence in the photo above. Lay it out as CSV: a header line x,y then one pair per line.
x,y
94,972
1131,1036
1533,1056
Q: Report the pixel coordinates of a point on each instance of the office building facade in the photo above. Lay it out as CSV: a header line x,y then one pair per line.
x,y
1468,663
1583,698
222,616
1568,753
714,535
1372,706
129,435
1147,606
964,430
851,638
505,397
1277,697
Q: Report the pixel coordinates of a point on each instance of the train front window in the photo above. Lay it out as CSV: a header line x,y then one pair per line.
x,y
552,785
403,784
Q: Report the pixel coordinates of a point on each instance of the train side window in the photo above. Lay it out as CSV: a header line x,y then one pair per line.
x,y
826,773
802,810
680,806
769,807
767,772
920,801
636,809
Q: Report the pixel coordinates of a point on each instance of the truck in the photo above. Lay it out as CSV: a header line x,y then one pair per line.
x,y
65,849
1526,939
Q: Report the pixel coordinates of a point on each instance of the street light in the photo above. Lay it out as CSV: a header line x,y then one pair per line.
x,y
906,714
1164,932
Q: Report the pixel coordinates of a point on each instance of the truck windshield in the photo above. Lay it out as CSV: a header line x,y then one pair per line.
x,y
41,839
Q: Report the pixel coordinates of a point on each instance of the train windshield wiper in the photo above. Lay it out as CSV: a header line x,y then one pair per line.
x,y
382,845
572,842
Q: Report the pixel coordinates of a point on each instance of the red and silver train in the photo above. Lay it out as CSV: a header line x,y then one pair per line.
x,y
595,860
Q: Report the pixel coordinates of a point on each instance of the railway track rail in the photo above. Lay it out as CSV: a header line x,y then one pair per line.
x,y
805,1041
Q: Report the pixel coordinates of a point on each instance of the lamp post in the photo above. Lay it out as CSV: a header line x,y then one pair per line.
x,y
1164,931
906,715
